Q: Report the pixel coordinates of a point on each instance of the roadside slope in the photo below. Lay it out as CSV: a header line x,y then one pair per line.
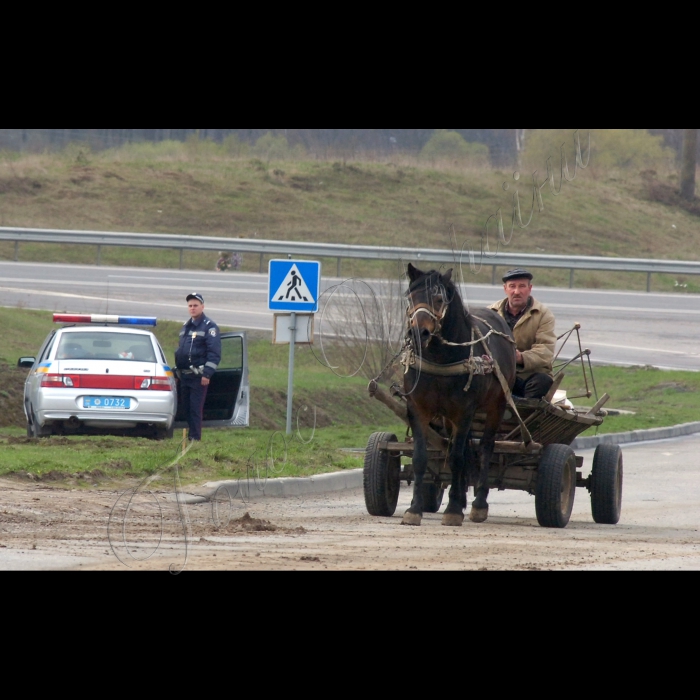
x,y
616,214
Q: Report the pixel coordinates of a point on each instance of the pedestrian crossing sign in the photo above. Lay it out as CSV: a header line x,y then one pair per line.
x,y
294,286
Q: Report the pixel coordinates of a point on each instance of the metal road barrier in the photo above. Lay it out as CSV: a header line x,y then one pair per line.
x,y
340,252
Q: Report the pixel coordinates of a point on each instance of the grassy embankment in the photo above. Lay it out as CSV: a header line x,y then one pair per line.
x,y
345,416
188,189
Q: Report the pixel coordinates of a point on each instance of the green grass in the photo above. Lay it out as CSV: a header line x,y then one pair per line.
x,y
24,332
222,455
403,203
345,417
658,398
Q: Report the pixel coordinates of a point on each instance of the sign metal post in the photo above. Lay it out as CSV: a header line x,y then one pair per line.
x,y
294,287
290,385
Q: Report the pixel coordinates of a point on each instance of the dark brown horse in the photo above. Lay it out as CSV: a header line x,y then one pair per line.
x,y
450,375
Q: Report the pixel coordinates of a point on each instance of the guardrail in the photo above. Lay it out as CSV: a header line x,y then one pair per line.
x,y
101,239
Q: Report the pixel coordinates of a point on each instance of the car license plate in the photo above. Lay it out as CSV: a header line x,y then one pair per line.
x,y
106,402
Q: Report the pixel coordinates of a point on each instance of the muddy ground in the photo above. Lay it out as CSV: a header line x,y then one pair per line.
x,y
48,526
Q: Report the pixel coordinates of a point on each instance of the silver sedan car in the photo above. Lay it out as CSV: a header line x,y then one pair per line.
x,y
110,379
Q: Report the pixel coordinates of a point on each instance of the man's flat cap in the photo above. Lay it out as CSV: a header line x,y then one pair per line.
x,y
517,274
194,295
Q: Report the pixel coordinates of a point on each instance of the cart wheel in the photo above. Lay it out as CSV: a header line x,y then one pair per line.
x,y
556,486
606,485
382,477
432,497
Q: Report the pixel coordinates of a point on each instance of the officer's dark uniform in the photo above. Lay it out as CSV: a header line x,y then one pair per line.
x,y
198,356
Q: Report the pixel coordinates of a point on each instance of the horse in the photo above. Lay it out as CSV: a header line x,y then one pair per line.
x,y
446,346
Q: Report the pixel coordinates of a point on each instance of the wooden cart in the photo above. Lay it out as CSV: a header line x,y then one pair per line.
x,y
547,468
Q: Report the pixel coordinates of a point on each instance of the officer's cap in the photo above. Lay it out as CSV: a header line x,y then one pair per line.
x,y
194,295
517,274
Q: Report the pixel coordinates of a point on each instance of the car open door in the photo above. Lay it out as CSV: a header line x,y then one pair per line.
x,y
228,398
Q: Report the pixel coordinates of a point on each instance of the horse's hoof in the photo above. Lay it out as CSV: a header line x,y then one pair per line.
x,y
479,515
412,519
453,520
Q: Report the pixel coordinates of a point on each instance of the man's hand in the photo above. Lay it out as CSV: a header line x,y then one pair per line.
x,y
205,381
519,358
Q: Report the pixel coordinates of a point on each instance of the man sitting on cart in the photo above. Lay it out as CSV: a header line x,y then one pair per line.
x,y
532,324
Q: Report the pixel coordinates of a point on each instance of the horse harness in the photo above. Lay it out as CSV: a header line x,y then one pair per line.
x,y
472,366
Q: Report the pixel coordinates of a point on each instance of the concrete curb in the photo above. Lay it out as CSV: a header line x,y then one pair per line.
x,y
286,488
676,431
189,499
352,479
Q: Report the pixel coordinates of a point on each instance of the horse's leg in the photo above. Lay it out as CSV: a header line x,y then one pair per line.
x,y
414,515
480,507
454,513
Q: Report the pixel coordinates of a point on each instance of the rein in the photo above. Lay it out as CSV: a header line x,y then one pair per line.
x,y
473,366
413,311
493,331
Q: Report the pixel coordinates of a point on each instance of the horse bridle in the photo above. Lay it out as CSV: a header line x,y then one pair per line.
x,y
413,312
422,308
415,309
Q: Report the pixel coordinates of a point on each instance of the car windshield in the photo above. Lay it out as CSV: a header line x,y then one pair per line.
x,y
93,345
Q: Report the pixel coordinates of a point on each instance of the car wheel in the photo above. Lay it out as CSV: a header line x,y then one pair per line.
x,y
163,433
34,430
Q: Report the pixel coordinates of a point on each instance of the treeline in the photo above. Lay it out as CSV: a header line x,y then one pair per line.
x,y
501,142
504,144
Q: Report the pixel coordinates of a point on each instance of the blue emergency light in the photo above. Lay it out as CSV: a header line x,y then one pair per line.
x,y
96,318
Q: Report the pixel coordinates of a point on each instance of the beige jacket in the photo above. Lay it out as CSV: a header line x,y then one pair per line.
x,y
535,337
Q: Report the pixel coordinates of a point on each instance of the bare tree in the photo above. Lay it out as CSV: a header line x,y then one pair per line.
x,y
360,328
689,163
505,145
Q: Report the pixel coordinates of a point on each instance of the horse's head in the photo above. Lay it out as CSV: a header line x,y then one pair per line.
x,y
429,297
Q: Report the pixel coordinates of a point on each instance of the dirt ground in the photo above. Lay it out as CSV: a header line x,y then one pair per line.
x,y
48,527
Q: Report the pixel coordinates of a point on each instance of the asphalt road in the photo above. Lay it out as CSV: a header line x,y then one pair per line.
x,y
624,328
44,528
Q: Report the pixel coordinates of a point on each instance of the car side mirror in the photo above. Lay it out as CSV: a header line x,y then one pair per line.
x,y
27,362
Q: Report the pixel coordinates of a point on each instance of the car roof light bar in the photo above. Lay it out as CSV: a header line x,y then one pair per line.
x,y
97,318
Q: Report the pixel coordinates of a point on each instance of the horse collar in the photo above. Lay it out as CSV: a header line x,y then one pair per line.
x,y
472,366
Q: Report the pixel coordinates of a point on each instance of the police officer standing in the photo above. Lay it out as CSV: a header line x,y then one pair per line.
x,y
197,359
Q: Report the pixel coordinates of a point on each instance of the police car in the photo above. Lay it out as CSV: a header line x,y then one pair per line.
x,y
104,374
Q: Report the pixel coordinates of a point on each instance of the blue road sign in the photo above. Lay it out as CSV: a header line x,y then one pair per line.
x,y
294,286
